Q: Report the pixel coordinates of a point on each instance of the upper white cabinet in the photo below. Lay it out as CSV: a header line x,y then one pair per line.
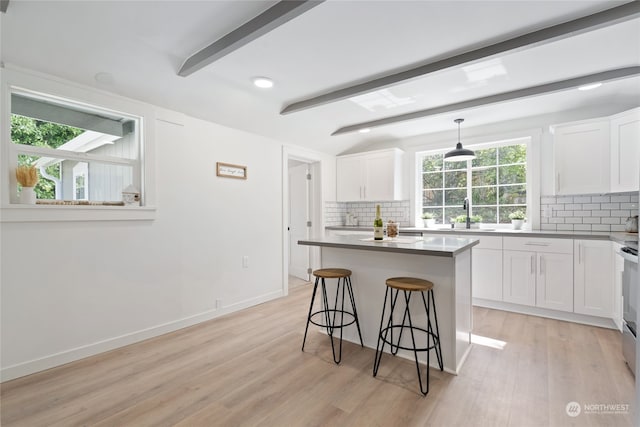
x,y
581,152
371,176
594,278
625,151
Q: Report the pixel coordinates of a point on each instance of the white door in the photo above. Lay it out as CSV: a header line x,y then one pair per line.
x,y
594,281
298,217
554,284
519,279
349,185
487,274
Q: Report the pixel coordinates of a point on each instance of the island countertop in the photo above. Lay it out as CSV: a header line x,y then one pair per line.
x,y
445,246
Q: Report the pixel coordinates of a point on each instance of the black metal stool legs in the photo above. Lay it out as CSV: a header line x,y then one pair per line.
x,y
431,331
330,314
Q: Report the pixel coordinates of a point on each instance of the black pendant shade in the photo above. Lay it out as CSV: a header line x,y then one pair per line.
x,y
460,154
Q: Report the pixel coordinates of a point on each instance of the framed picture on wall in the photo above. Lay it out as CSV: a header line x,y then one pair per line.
x,y
227,170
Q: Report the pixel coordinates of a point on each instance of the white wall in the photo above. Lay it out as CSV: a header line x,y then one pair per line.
x,y
70,289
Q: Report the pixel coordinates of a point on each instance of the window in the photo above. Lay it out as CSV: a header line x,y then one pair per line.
x,y
495,182
81,152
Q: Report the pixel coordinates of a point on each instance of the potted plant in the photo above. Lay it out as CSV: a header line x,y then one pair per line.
x,y
27,177
461,221
517,219
429,219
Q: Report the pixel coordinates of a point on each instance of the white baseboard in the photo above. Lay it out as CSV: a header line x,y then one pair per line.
x,y
543,312
71,355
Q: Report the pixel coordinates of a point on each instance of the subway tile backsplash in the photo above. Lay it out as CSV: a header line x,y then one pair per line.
x,y
335,212
596,212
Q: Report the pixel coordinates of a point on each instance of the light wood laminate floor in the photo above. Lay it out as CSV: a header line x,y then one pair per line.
x,y
247,369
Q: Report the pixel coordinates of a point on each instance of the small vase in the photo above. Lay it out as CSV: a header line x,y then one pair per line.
x,y
429,223
28,196
517,223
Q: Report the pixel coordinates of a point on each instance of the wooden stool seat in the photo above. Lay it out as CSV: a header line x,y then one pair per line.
x,y
411,284
332,273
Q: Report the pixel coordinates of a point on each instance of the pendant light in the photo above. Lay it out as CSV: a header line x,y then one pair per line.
x,y
459,154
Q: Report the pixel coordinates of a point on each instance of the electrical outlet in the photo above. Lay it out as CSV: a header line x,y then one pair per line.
x,y
245,261
547,212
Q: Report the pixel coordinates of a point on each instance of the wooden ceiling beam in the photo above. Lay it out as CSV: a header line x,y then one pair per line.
x,y
616,74
268,20
546,35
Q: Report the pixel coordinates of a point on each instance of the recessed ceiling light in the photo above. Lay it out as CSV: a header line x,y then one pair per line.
x,y
263,82
590,86
364,130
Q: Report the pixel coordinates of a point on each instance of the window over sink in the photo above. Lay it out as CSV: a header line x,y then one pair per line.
x,y
496,183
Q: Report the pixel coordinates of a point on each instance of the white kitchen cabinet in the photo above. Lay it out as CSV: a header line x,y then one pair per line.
x,y
538,272
371,176
625,151
618,269
486,265
519,277
582,157
594,278
554,281
349,178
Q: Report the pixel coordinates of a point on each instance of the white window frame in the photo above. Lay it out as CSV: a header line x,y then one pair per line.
x,y
532,138
20,81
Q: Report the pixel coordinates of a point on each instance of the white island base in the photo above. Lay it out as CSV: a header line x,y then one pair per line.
x,y
372,263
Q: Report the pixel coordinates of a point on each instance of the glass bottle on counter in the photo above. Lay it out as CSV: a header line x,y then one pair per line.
x,y
378,233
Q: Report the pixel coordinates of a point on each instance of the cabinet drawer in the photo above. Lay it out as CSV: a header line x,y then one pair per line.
x,y
538,244
486,242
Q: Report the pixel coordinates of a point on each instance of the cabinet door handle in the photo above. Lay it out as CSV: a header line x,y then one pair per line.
x,y
360,192
537,244
579,253
541,267
558,182
533,264
365,192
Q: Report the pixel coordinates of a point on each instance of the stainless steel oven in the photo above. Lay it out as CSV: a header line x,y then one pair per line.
x,y
630,299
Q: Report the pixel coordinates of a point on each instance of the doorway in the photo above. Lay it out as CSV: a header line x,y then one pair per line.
x,y
299,213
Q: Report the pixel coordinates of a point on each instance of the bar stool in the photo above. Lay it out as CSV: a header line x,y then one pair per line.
x,y
409,285
329,314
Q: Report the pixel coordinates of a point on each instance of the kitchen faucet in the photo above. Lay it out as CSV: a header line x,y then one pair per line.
x,y
466,205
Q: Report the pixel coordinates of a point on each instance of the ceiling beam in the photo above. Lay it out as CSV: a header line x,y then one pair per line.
x,y
4,4
619,73
272,18
607,17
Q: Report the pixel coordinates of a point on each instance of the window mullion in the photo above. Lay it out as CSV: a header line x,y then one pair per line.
x,y
469,185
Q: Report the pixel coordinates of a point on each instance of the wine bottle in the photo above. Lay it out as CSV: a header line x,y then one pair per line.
x,y
377,225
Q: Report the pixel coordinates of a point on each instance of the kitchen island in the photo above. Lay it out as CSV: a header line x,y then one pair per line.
x,y
445,261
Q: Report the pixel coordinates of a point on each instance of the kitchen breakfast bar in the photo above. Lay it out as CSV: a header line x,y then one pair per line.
x,y
445,261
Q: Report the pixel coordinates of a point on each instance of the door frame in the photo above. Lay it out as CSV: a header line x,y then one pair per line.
x,y
315,210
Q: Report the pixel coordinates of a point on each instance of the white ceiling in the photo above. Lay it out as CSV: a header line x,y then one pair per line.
x,y
336,44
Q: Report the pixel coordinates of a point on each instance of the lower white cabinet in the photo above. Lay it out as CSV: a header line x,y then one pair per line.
x,y
519,278
541,276
594,278
554,281
618,269
486,268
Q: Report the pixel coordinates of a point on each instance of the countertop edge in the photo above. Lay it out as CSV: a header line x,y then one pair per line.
x,y
615,236
395,249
